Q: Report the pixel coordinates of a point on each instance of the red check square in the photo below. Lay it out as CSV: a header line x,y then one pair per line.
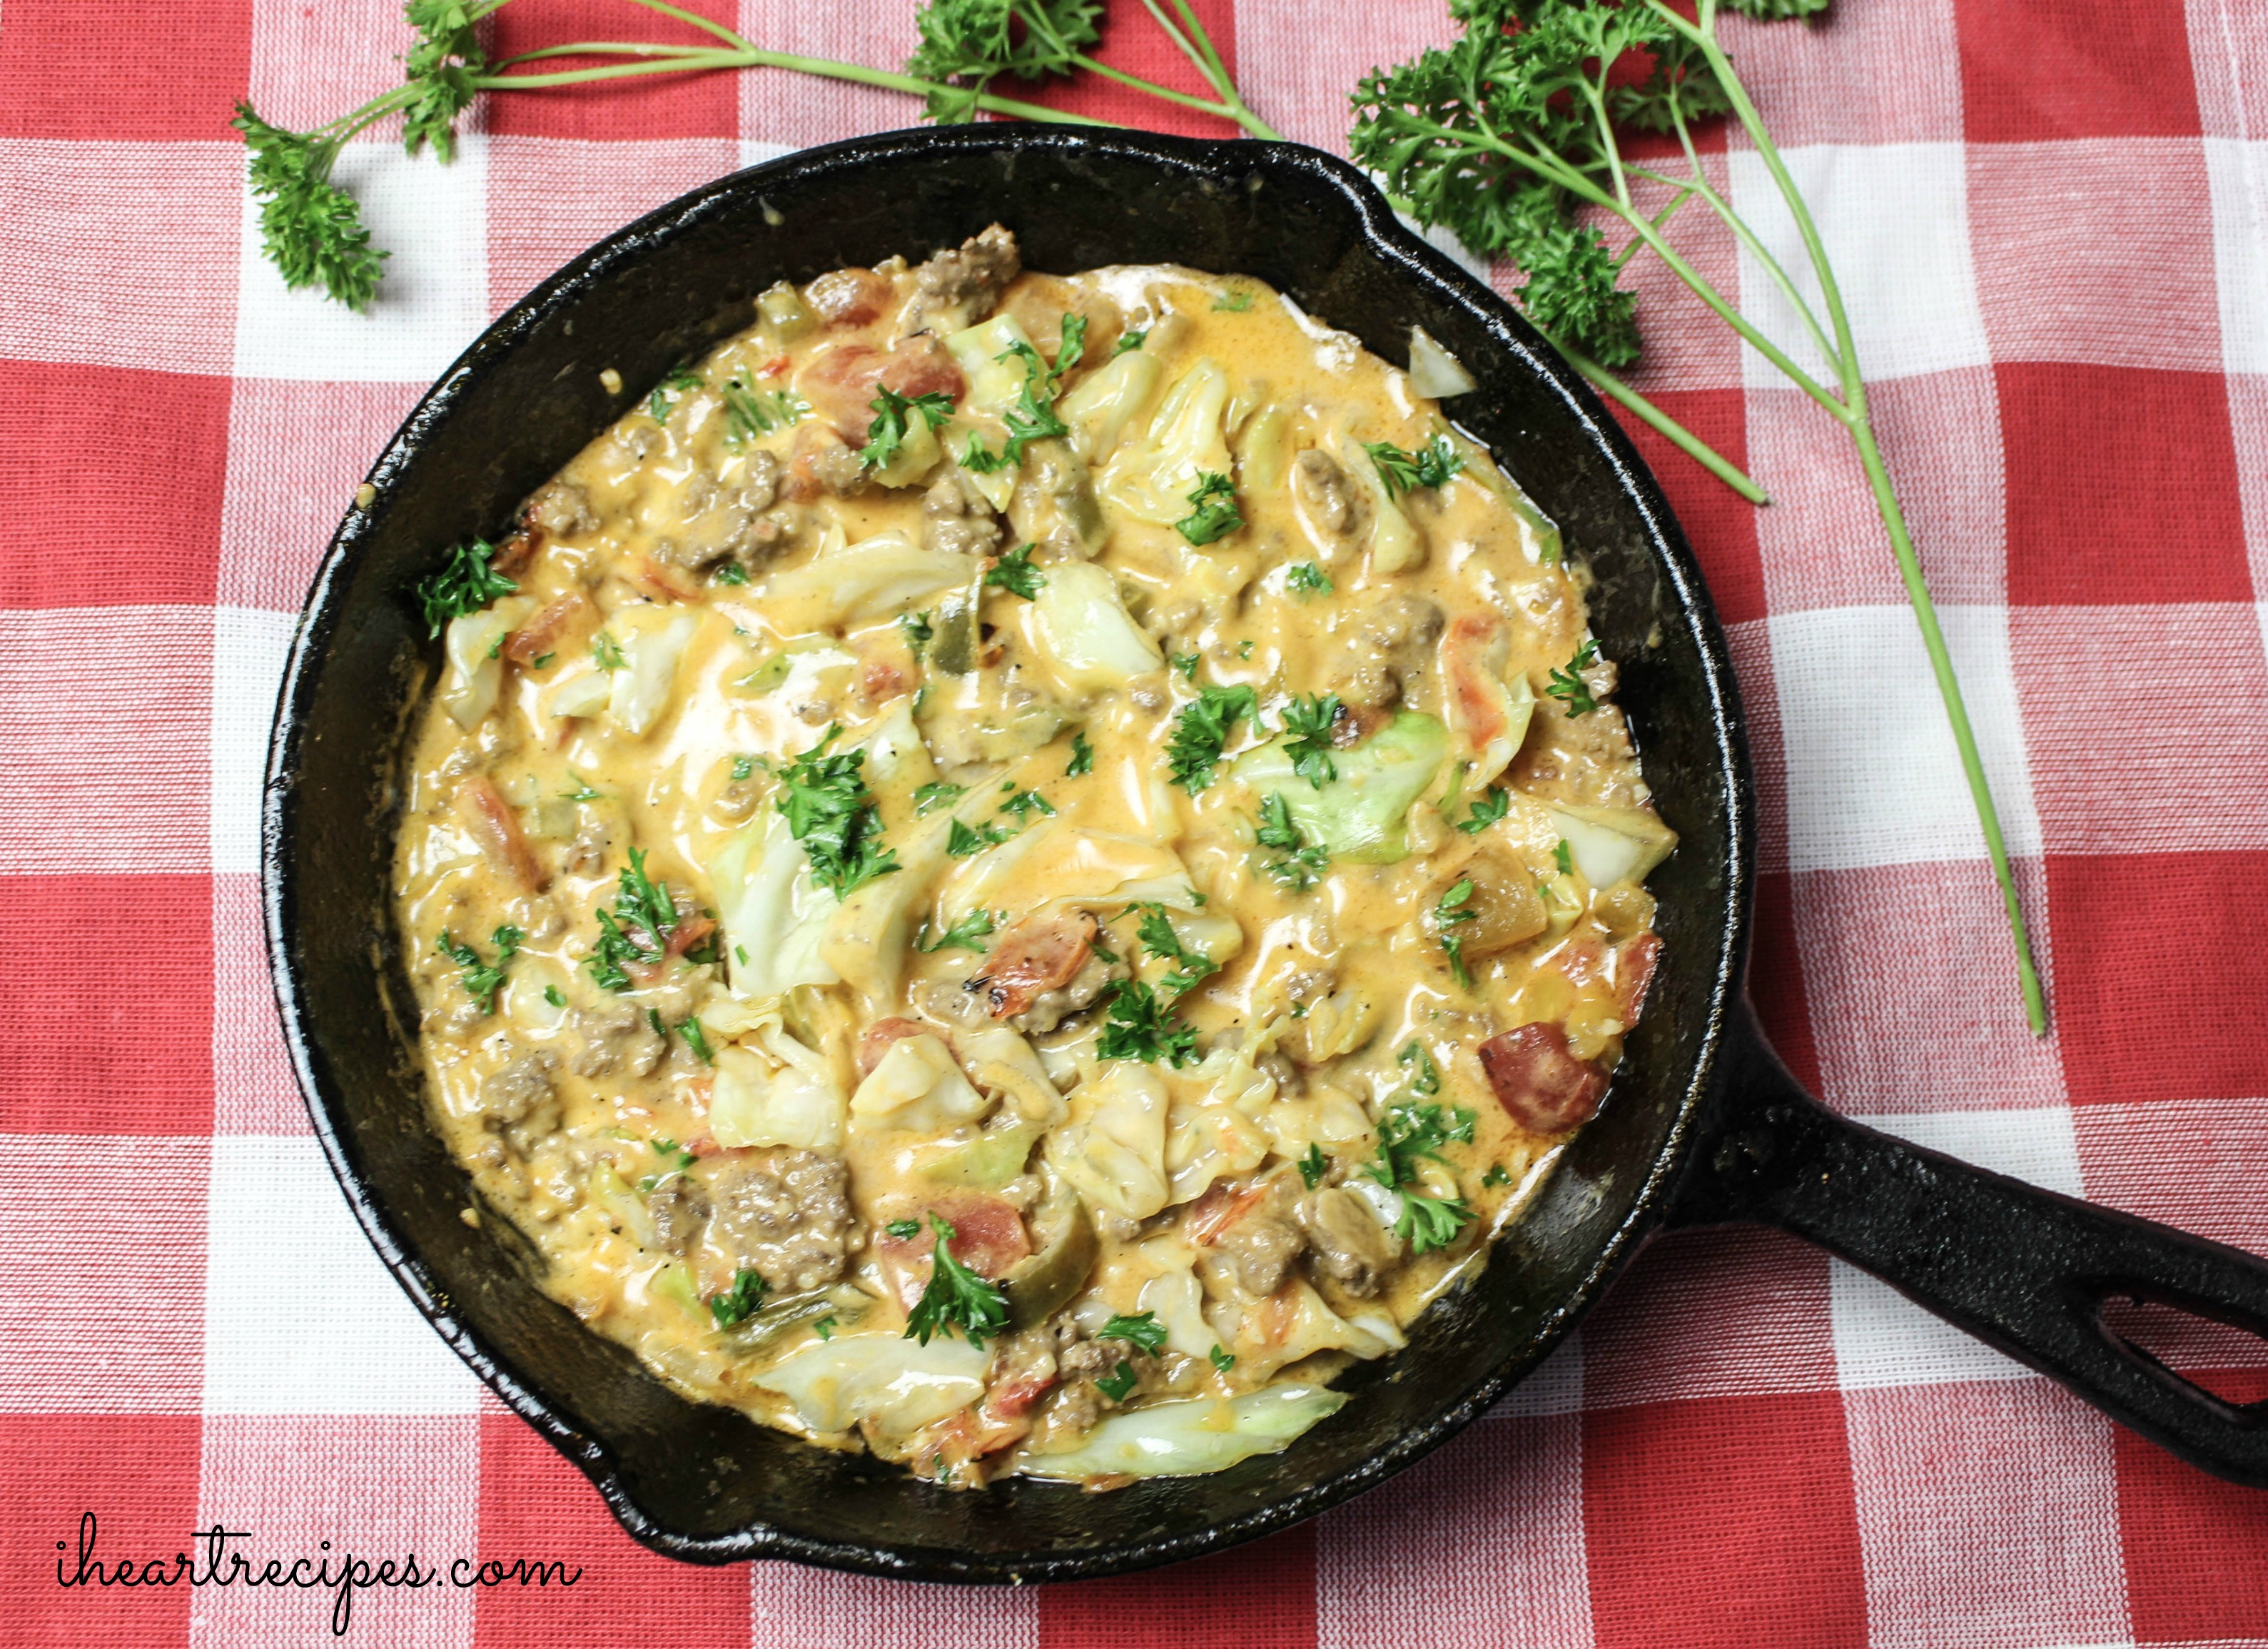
x,y
2034,68
128,70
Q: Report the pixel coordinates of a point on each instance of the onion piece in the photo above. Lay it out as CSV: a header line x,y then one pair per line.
x,y
1433,370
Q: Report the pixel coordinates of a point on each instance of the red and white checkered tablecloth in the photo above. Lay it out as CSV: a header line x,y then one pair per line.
x,y
2051,217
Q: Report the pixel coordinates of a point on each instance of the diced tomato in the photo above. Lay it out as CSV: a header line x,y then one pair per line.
x,y
1475,691
541,634
497,828
1219,1209
988,1237
1012,1398
666,583
880,681
840,382
1638,960
1541,1085
1040,953
773,367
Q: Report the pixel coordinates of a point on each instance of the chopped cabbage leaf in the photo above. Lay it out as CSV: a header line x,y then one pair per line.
x,y
469,691
876,578
1151,479
1113,1149
917,1086
896,1385
643,687
1182,1439
1363,815
1611,845
775,918
1085,631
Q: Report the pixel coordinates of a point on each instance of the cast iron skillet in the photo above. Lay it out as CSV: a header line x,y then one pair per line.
x,y
1703,1123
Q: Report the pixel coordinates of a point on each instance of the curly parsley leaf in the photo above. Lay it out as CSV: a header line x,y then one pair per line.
x,y
1212,509
606,652
956,1297
1082,755
1407,1134
886,435
1452,910
749,413
966,43
1402,471
1309,722
481,980
1192,967
931,796
1015,574
1032,416
671,390
1119,1384
964,839
1142,1329
310,229
1133,340
1139,1029
1299,863
1313,1166
1568,686
739,1303
1305,579
1222,1358
968,934
1428,1222
1487,809
465,584
1202,729
830,810
902,1229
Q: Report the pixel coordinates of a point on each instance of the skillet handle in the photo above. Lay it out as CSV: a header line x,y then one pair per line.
x,y
2025,1270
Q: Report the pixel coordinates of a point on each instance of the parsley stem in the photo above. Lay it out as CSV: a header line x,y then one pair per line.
x,y
1195,44
1855,417
1187,100
602,48
1684,440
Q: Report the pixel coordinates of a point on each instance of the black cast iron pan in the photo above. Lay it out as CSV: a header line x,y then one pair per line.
x,y
1703,1123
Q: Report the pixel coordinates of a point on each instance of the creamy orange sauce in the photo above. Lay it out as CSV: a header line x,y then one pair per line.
x,y
706,1137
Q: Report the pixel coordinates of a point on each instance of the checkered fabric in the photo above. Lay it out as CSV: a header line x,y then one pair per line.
x,y
2050,218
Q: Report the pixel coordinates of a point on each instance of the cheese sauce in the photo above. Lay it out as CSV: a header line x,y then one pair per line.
x,y
1014,869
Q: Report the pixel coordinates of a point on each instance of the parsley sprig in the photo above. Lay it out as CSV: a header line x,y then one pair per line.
x,y
1488,806
1299,863
886,435
636,930
1514,137
1568,686
1140,1028
480,980
1408,1135
830,810
956,1297
1212,509
1202,729
1308,723
1453,910
1401,470
739,1303
1142,1329
465,584
968,934
1015,574
1191,968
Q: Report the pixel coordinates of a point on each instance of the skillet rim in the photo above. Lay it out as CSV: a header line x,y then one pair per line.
x,y
1404,258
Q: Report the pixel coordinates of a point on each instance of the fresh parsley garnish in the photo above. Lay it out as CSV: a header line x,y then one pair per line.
x,y
964,839
830,810
1202,729
965,935
1185,665
1156,932
729,572
1313,1166
1564,856
1023,803
749,413
1487,809
917,631
1407,1134
1299,863
1143,1329
551,994
1496,1176
1032,416
607,652
935,795
980,459
1569,688
1309,721
1129,341
1119,1384
582,792
956,1297
1430,466
886,435
465,584
1212,509
738,1303
670,1151
1235,300
1450,911
669,391
1424,1075
1139,1029
1082,755
480,980
902,1229
638,927
1305,579
1221,1358
1015,574
697,1039
743,767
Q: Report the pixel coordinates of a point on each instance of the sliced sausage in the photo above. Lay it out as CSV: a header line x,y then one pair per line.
x,y
878,1038
1040,953
497,828
840,383
988,1237
1540,1084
